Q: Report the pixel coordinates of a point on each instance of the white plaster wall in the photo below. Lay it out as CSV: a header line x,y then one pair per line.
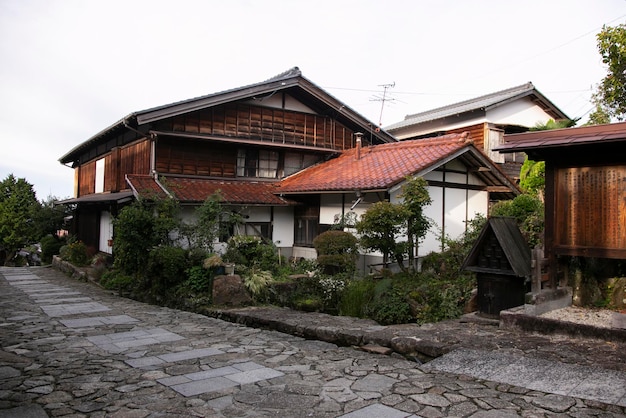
x,y
521,112
437,125
106,232
256,214
276,101
431,241
455,213
283,226
330,205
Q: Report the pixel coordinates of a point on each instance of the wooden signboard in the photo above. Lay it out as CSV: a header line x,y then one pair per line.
x,y
591,211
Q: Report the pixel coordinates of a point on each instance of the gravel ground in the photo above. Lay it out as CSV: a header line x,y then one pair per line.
x,y
596,317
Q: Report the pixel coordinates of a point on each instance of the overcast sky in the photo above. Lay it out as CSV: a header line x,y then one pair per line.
x,y
70,68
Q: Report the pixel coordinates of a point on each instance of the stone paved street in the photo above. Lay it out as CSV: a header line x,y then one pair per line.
x,y
71,349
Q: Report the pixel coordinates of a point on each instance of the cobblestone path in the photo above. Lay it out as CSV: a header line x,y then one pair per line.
x,y
71,349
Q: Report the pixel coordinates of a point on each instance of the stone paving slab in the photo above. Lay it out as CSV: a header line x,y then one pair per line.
x,y
74,308
213,380
122,341
173,357
378,411
98,321
601,385
55,300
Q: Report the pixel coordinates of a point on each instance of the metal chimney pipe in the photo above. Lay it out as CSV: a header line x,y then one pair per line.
x,y
358,135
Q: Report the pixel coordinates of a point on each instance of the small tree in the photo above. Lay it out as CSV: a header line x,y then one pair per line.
x,y
336,251
50,218
415,196
381,226
18,207
533,177
138,228
610,96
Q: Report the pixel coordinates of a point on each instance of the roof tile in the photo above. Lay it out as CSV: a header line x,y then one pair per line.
x,y
379,167
198,190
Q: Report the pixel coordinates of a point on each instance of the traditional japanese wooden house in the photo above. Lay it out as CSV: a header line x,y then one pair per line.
x,y
487,118
240,142
281,154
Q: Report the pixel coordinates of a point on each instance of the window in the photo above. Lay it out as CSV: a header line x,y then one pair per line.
x,y
257,163
258,229
306,225
99,176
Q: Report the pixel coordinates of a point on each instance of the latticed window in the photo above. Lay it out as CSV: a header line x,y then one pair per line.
x,y
257,163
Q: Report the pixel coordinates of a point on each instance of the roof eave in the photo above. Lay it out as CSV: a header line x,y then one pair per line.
x,y
166,111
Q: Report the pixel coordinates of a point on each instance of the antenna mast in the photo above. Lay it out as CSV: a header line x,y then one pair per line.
x,y
383,99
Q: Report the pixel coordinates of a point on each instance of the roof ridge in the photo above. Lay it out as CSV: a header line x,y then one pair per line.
x,y
522,87
292,72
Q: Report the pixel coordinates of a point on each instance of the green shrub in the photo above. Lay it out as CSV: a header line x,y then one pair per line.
x,y
116,280
251,251
257,282
337,251
388,306
356,296
528,211
166,267
309,303
50,246
138,228
199,280
75,253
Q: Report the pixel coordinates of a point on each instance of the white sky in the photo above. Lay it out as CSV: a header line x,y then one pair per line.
x,y
70,68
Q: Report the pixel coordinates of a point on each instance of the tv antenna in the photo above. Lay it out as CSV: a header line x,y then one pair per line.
x,y
383,99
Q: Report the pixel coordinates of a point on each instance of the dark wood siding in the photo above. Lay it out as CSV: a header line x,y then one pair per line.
x,y
87,178
176,156
245,121
135,159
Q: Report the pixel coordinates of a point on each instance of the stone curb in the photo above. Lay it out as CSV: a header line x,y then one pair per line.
x,y
513,318
407,340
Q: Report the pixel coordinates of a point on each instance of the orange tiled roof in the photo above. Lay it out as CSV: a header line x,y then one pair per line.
x,y
197,190
379,167
145,186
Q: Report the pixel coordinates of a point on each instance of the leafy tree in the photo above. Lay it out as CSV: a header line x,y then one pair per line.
x,y
529,213
50,218
415,196
379,228
18,207
610,96
533,177
533,173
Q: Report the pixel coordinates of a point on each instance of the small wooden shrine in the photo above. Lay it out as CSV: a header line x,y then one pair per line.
x,y
502,262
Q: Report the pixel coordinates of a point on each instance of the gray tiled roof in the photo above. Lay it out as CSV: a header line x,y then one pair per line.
x,y
482,102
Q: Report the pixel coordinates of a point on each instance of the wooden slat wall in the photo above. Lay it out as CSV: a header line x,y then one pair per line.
x,y
265,124
87,178
132,159
175,156
476,134
591,211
